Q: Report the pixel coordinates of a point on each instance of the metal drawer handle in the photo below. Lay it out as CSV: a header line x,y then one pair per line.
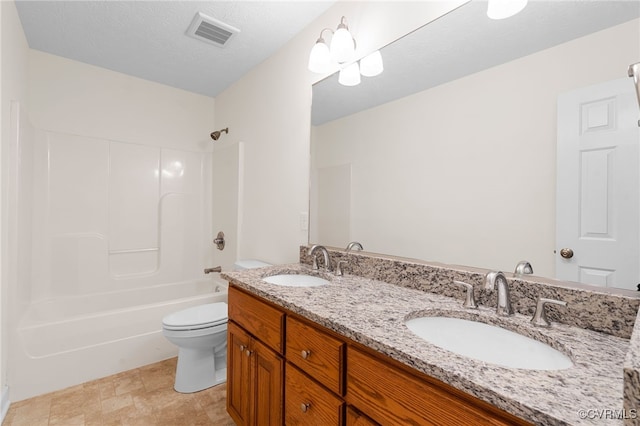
x,y
305,354
305,407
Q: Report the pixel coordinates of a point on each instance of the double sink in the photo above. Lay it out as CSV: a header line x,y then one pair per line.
x,y
470,337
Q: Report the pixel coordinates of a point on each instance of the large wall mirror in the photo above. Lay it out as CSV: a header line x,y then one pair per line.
x,y
471,144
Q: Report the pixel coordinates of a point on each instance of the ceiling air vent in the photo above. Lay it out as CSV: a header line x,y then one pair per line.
x,y
211,30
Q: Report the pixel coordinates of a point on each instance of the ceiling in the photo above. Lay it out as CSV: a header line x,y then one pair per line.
x,y
464,42
147,39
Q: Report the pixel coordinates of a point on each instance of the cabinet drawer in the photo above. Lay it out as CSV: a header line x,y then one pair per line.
x,y
258,318
390,395
316,353
307,403
356,418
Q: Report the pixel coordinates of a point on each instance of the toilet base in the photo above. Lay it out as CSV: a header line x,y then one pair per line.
x,y
197,370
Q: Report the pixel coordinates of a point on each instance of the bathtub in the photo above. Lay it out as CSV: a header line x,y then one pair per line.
x,y
68,341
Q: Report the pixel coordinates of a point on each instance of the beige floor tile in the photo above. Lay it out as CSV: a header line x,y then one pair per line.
x,y
143,396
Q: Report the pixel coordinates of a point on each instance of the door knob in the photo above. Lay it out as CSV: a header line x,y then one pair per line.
x,y
566,253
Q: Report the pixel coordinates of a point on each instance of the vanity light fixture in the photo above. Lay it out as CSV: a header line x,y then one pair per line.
x,y
501,9
342,50
340,53
343,46
320,57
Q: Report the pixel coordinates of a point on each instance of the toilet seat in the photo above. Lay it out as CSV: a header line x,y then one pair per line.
x,y
197,317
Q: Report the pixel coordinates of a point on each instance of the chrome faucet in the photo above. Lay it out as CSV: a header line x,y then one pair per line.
x,y
210,270
325,255
354,245
496,278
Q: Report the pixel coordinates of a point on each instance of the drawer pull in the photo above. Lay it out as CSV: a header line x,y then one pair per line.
x,y
242,348
305,407
305,354
249,352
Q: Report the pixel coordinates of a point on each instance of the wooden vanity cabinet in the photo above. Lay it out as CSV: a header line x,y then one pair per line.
x,y
392,395
318,377
255,371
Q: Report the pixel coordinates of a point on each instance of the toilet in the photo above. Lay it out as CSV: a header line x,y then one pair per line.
x,y
200,333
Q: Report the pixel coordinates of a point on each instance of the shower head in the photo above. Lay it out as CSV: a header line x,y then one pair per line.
x,y
216,135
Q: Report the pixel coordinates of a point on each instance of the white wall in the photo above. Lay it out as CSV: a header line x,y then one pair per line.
x,y
72,97
13,87
269,110
473,161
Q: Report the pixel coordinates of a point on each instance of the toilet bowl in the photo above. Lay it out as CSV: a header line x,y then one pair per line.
x,y
200,333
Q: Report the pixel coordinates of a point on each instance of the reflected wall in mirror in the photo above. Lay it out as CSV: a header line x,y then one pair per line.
x,y
450,155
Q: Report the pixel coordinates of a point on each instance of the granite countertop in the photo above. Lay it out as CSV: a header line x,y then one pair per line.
x,y
373,313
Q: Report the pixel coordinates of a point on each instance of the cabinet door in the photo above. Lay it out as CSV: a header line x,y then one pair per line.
x,y
268,385
239,399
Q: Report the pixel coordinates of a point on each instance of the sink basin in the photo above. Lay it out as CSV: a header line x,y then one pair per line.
x,y
488,343
296,280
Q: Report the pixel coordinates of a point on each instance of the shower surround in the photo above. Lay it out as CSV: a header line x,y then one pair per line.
x,y
110,237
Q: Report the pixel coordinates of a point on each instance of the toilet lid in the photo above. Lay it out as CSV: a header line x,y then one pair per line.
x,y
197,317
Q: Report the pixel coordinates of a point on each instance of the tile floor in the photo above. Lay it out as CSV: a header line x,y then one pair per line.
x,y
143,396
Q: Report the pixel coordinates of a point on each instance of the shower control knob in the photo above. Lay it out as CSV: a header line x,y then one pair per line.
x,y
566,253
219,241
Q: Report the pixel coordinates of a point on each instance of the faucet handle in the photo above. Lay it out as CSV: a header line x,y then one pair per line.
x,y
540,317
339,271
470,300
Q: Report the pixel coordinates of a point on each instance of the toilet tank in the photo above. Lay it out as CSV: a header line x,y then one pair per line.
x,y
243,264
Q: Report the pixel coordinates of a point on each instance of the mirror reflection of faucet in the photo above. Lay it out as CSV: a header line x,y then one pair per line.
x,y
353,245
523,267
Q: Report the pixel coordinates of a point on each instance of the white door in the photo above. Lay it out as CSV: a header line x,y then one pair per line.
x,y
598,185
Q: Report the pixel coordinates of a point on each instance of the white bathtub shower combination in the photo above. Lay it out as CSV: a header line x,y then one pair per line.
x,y
117,236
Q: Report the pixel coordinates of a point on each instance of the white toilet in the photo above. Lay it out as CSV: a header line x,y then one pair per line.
x,y
200,333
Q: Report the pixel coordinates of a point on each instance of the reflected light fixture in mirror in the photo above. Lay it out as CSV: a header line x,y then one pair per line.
x,y
371,65
501,9
350,75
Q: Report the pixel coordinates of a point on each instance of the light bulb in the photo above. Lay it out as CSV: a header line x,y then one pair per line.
x,y
371,65
320,58
342,45
350,76
500,9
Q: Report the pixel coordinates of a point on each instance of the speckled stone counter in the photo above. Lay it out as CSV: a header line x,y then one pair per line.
x,y
373,313
632,376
